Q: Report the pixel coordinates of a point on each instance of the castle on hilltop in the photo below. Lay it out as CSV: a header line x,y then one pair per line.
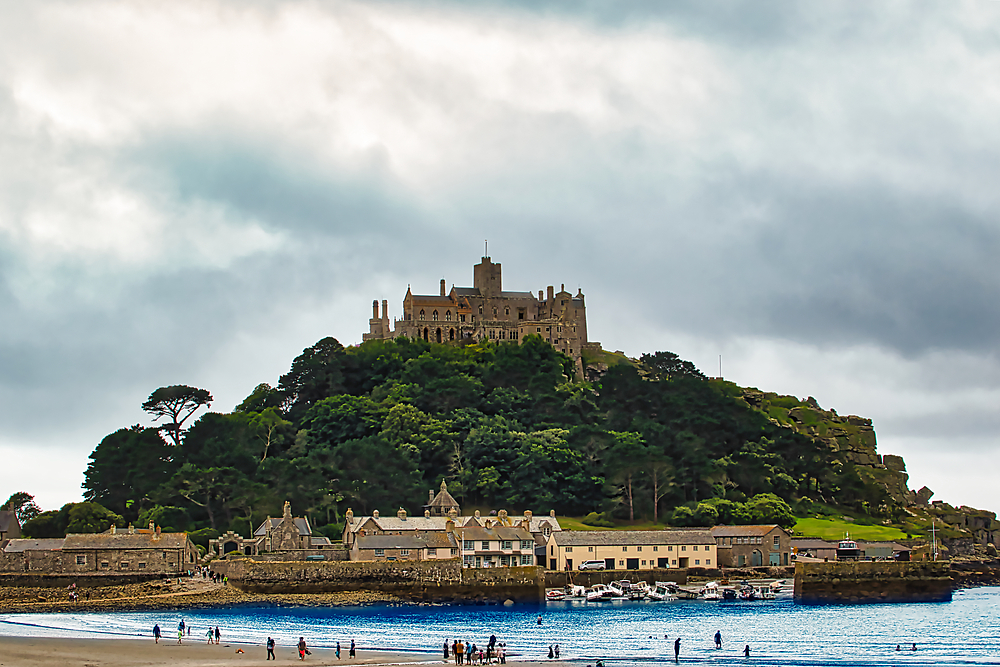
x,y
486,312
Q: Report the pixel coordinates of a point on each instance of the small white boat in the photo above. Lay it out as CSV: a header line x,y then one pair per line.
x,y
660,593
574,591
600,592
710,592
555,595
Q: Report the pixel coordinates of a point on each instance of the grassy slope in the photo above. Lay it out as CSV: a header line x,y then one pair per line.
x,y
833,530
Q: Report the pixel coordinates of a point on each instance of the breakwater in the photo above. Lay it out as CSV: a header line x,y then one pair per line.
x,y
420,581
880,581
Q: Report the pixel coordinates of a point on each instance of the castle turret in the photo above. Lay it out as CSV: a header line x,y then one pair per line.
x,y
486,276
442,287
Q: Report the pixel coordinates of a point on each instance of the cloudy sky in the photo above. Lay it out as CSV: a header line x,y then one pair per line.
x,y
194,191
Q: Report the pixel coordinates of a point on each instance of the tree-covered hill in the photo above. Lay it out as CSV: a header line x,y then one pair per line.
x,y
508,426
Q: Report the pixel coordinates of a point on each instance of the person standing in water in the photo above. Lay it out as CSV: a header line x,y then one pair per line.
x,y
746,651
718,639
677,649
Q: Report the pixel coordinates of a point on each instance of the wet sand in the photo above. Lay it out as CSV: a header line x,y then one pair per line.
x,y
49,652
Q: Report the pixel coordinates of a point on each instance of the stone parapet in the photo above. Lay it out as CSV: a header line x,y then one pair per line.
x,y
879,581
424,581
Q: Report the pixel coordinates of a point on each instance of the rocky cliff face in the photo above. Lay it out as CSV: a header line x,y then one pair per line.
x,y
850,439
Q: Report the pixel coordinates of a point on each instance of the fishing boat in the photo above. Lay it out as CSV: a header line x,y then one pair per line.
x,y
847,549
661,592
599,592
710,592
555,595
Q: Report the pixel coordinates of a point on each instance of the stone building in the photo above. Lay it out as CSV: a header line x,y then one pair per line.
x,y
494,544
632,549
288,534
405,546
752,546
10,527
486,311
443,503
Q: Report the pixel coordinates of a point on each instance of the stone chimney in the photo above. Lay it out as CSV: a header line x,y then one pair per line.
x,y
374,514
551,292
453,513
401,514
430,496
349,515
114,529
385,310
427,514
152,527
527,514
449,526
131,529
552,513
477,514
287,511
442,287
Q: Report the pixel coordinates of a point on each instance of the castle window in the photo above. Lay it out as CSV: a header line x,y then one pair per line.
x,y
81,560
447,315
506,311
142,566
404,552
380,552
422,316
494,312
538,329
558,329
461,318
480,310
434,315
432,551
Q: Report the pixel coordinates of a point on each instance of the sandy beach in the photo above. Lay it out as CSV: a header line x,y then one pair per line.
x,y
46,652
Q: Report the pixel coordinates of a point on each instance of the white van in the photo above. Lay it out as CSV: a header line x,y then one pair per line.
x,y
593,565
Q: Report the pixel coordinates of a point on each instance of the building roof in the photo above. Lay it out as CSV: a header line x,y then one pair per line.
x,y
432,299
301,523
895,546
19,545
439,540
572,538
8,519
495,533
812,543
320,540
745,531
124,540
391,542
443,498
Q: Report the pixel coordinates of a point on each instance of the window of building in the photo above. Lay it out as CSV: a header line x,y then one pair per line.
x,y
527,544
506,311
507,544
81,560
656,548
638,548
104,565
670,548
546,531
697,561
163,554
548,328
569,550
422,314
380,552
776,541
142,566
404,552
454,551
480,310
468,545
526,559
552,551
538,329
434,315
694,548
447,315
432,551
461,318
520,313
494,313
473,319
123,565
674,561
684,548
467,561
486,545
644,563
558,329
621,563
590,549
708,561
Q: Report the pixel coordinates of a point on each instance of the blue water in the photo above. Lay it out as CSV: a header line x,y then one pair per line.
x,y
965,631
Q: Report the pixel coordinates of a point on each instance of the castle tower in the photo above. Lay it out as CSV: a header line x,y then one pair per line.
x,y
486,277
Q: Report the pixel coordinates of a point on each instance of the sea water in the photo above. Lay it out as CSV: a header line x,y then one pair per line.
x,y
965,631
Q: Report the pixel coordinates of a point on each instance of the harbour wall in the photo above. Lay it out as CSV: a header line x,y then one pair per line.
x,y
419,581
559,579
872,581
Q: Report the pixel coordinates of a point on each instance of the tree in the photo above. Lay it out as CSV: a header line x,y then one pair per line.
x,y
176,403
72,518
667,366
627,459
769,508
126,467
23,505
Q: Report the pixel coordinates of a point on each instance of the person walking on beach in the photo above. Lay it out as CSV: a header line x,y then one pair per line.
x,y
557,651
156,633
746,651
677,649
353,653
180,635
718,639
446,650
551,652
338,650
270,649
209,635
459,652
217,634
454,650
302,648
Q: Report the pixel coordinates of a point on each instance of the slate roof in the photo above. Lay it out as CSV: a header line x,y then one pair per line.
x,y
123,540
572,538
7,520
320,540
439,540
745,531
443,498
432,523
19,545
812,543
433,298
301,523
494,533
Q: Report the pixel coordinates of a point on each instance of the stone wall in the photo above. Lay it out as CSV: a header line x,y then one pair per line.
x,y
31,561
881,581
331,554
426,581
81,580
